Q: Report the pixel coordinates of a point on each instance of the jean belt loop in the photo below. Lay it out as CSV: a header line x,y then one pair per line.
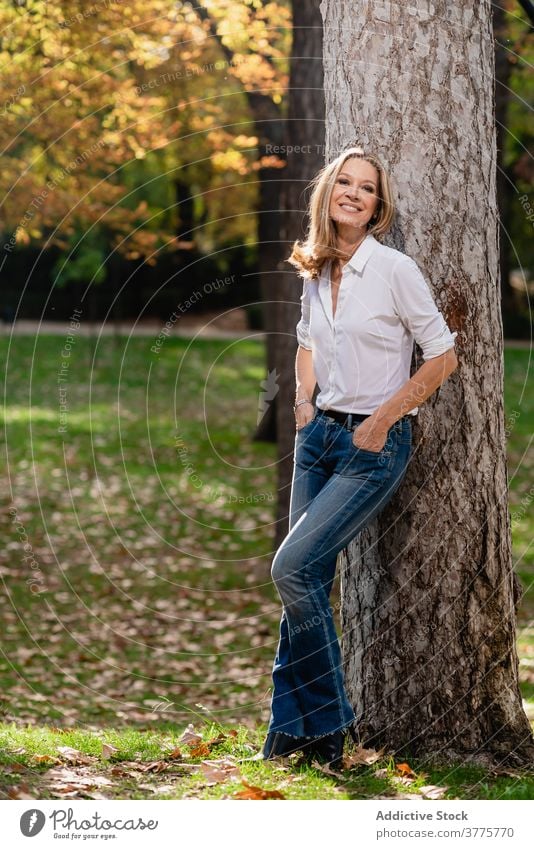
x,y
349,421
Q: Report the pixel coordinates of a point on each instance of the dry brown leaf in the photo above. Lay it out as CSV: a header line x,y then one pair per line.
x,y
432,791
16,767
119,771
190,736
199,751
216,772
46,759
153,766
20,791
73,756
175,754
381,773
324,768
252,792
405,780
108,750
216,740
65,779
362,756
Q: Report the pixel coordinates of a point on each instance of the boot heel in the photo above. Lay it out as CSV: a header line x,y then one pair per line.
x,y
355,736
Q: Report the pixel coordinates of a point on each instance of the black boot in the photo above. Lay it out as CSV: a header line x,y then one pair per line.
x,y
281,745
329,748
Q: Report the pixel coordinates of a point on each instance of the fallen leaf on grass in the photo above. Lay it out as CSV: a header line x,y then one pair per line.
x,y
362,756
220,738
252,792
20,791
108,750
175,754
65,781
190,736
405,770
199,751
153,766
325,769
45,759
157,788
16,767
75,757
216,772
432,791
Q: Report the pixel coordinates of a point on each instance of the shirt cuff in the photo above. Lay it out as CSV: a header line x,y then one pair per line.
x,y
442,343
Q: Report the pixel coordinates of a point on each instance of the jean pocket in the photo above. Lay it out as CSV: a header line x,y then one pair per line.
x,y
403,429
307,425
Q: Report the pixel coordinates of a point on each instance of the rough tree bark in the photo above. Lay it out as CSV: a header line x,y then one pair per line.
x,y
429,593
505,183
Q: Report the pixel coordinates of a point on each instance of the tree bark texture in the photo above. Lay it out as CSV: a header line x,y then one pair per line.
x,y
428,590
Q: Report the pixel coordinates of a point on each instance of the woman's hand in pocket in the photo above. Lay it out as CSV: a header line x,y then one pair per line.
x,y
370,436
303,415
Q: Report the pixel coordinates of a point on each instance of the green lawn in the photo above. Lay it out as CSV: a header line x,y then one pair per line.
x,y
145,531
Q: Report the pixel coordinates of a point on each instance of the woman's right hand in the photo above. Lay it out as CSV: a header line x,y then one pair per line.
x,y
303,414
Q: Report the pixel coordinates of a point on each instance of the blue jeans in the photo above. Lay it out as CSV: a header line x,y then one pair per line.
x,y
337,489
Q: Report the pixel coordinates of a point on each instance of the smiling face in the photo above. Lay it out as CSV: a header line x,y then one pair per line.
x,y
354,198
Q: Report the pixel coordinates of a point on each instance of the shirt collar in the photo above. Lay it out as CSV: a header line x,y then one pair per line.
x,y
362,253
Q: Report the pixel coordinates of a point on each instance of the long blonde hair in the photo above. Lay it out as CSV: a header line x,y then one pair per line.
x,y
309,256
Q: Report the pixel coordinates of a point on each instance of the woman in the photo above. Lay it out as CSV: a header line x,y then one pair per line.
x,y
363,305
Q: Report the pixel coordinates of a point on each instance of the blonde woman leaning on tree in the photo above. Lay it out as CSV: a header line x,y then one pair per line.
x,y
363,306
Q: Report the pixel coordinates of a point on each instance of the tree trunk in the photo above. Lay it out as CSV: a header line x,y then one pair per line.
x,y
305,134
269,127
505,183
428,603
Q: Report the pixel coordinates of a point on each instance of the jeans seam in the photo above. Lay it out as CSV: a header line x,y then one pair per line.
x,y
328,646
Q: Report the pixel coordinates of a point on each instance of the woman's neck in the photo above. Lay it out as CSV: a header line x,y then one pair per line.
x,y
348,243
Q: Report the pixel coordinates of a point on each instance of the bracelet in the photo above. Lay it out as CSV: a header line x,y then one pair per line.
x,y
303,401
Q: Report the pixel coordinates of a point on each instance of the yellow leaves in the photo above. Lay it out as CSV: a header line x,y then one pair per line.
x,y
230,160
245,141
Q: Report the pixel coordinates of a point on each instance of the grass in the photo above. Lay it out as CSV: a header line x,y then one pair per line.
x,y
148,522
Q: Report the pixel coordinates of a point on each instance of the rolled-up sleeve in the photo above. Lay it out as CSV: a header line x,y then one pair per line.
x,y
418,311
303,327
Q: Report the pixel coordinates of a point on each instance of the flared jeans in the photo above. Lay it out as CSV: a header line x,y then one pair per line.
x,y
337,489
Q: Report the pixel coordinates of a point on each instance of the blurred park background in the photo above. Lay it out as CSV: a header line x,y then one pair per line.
x,y
137,509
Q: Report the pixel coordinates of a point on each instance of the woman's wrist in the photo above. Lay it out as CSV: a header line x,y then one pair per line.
x,y
301,401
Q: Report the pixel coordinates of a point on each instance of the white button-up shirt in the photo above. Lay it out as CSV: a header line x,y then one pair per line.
x,y
362,355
